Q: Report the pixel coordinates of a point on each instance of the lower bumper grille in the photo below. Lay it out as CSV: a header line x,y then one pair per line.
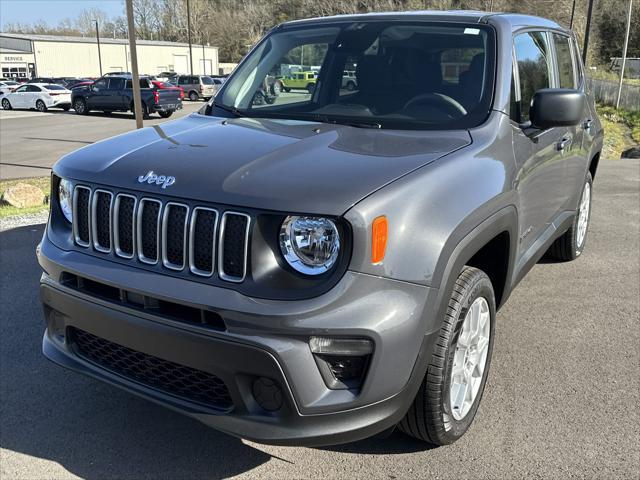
x,y
169,377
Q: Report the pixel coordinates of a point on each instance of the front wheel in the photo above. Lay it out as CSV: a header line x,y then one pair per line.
x,y
448,398
311,88
571,244
66,108
80,106
40,106
6,104
165,114
194,97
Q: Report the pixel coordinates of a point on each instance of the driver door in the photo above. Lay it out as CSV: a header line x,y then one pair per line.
x,y
17,98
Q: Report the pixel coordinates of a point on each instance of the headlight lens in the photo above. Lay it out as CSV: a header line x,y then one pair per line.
x,y
65,198
309,244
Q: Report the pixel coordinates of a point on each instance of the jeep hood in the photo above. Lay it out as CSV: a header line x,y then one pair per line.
x,y
282,165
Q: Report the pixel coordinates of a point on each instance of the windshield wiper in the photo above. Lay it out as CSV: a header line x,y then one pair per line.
x,y
375,125
226,108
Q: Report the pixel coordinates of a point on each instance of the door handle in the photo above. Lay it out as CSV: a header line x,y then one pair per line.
x,y
586,126
563,143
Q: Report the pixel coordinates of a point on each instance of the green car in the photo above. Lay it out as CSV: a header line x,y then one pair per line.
x,y
300,80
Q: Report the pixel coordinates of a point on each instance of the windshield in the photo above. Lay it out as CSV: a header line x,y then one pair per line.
x,y
401,75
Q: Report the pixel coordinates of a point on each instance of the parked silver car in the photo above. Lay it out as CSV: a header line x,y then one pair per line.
x,y
197,87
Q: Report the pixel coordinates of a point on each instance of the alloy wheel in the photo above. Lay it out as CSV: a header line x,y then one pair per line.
x,y
583,215
470,358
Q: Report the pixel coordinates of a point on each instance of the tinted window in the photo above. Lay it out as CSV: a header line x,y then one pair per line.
x,y
532,54
207,80
21,89
33,88
101,84
129,84
565,61
54,87
116,83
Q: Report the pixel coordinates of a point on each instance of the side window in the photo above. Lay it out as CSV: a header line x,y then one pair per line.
x,y
21,89
100,84
534,67
129,84
116,83
33,88
564,57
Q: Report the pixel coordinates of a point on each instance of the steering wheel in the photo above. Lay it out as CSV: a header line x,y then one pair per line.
x,y
440,101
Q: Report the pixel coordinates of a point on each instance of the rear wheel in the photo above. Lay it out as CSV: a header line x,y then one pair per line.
x,y
450,393
165,114
194,97
80,106
145,110
6,104
286,89
40,106
66,108
311,87
351,86
571,244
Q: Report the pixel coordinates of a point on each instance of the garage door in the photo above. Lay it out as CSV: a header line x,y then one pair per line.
x,y
180,64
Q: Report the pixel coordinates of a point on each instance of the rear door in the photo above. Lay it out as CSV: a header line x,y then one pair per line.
x,y
541,176
33,94
114,96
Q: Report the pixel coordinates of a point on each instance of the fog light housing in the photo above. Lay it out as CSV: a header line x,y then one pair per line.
x,y
342,362
267,394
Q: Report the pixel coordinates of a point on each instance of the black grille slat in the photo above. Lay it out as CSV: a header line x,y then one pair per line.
x,y
203,241
148,228
125,224
233,246
164,375
175,225
82,214
102,219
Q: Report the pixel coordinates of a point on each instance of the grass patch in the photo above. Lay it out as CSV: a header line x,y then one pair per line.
x,y
603,73
43,183
621,130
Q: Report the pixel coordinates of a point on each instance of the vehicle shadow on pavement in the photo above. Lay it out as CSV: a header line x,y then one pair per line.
x,y
395,444
91,429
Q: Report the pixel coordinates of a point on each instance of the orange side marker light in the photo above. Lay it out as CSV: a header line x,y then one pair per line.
x,y
379,236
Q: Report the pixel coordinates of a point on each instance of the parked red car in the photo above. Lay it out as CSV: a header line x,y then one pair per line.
x,y
169,86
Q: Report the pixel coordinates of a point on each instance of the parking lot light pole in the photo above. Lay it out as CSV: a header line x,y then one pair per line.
x,y
624,52
189,37
137,101
98,40
586,33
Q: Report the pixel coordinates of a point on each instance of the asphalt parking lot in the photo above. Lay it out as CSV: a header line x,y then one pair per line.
x,y
561,401
26,134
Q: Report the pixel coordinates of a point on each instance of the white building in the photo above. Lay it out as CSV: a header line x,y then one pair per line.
x,y
30,55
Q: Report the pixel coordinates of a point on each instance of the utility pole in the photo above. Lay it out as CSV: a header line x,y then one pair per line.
x,y
98,40
624,53
204,64
573,11
189,36
586,33
137,101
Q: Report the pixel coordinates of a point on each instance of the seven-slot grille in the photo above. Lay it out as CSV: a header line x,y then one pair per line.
x,y
166,233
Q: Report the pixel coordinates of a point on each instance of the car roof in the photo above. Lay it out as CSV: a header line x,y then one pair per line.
x,y
468,16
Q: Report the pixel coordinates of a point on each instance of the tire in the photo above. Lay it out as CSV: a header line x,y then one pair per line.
x,y
66,108
571,244
311,87
434,417
194,97
6,104
165,114
286,89
276,88
40,106
145,110
80,106
351,86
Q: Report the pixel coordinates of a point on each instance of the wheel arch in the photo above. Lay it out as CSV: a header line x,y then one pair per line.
x,y
593,165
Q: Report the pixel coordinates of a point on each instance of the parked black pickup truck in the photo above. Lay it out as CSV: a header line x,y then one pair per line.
x,y
114,93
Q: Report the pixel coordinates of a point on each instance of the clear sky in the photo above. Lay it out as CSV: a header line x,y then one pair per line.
x,y
52,11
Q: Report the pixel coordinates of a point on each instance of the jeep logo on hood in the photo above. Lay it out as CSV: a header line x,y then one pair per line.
x,y
163,180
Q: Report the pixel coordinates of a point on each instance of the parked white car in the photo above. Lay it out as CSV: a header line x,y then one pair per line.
x,y
40,96
7,86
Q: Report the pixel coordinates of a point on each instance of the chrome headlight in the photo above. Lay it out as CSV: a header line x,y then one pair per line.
x,y
65,198
309,244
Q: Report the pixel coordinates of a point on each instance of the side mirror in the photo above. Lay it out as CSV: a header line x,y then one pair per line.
x,y
556,107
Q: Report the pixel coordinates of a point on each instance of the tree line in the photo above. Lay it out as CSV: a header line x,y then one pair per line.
x,y
235,25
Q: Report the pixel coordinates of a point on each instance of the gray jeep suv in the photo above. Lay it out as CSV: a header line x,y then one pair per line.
x,y
327,266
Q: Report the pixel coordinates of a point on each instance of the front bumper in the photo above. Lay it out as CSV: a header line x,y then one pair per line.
x,y
262,339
